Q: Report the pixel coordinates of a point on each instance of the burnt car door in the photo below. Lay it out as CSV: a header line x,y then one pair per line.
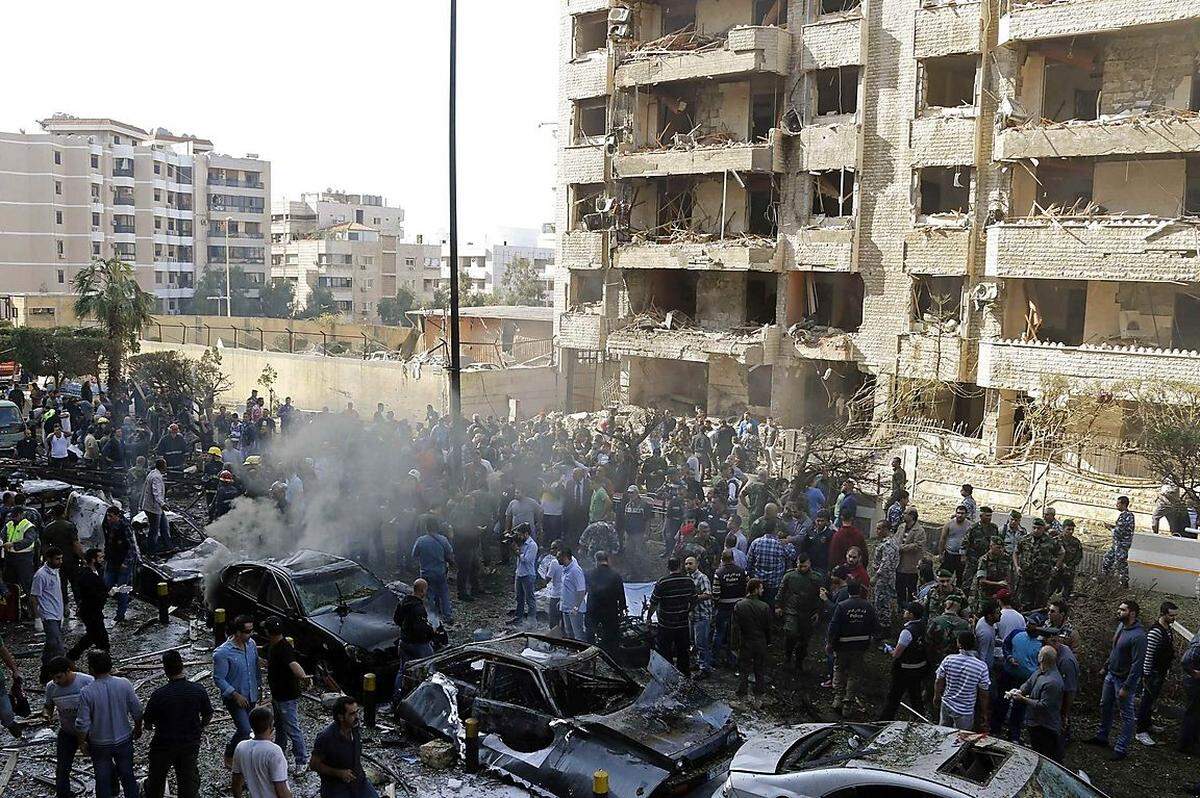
x,y
515,706
242,590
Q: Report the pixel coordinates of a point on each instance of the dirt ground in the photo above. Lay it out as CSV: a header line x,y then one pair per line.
x,y
1157,770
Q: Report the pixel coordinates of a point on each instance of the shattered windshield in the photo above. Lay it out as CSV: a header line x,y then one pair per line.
x,y
322,591
9,416
828,746
591,686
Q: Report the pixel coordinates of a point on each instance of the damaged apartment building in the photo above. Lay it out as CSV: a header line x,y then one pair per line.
x,y
780,205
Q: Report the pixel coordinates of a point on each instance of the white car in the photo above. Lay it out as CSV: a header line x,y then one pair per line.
x,y
892,760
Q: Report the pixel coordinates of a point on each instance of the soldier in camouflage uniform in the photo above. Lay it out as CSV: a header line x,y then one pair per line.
x,y
935,599
884,562
1122,534
994,572
979,537
943,630
1034,561
1064,574
598,536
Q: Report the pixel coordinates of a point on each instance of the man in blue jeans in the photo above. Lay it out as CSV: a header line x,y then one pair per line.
x,y
235,673
109,720
120,557
526,576
287,679
1121,676
433,554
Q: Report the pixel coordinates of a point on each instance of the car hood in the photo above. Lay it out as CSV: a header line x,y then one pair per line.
x,y
769,748
368,625
672,716
192,563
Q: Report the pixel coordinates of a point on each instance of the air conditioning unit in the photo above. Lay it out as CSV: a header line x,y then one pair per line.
x,y
619,15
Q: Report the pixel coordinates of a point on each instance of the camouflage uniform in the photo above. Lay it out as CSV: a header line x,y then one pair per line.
x,y
935,599
994,568
1064,577
1036,555
886,560
598,536
1118,553
942,636
975,544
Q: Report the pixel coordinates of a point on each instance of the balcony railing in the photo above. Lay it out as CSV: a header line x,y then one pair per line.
x,y
234,182
123,172
120,199
124,228
1023,365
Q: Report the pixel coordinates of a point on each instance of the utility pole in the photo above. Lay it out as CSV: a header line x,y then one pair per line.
x,y
455,373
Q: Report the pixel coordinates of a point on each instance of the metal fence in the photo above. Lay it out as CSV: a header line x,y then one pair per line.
x,y
288,341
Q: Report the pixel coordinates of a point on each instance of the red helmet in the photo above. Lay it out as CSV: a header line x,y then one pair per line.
x,y
226,476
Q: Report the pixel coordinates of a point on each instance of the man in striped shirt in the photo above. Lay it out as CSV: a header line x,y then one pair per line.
x,y
770,557
672,600
1160,652
962,686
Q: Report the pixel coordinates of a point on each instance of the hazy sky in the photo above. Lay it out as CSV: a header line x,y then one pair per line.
x,y
348,95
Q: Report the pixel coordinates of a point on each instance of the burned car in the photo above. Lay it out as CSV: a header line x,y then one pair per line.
x,y
893,760
553,711
183,567
338,613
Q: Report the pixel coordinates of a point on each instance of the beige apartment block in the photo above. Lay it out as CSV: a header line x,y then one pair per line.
x,y
347,258
774,205
101,188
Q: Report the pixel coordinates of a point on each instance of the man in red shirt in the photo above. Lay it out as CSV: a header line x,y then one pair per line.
x,y
847,537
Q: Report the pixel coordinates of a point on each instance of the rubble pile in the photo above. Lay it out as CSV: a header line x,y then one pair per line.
x,y
809,332
684,40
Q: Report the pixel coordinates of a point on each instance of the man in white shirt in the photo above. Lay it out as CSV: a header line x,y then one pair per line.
x,y
551,570
259,766
56,447
574,587
962,684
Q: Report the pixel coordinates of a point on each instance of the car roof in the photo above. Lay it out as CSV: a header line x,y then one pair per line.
x,y
917,749
304,562
530,648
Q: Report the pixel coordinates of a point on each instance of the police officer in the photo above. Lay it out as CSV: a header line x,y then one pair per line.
x,y
1117,556
910,664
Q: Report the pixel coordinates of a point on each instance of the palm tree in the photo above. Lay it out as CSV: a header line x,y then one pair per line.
x,y
107,291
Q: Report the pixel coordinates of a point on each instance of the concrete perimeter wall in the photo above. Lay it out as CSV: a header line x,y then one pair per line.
x,y
314,382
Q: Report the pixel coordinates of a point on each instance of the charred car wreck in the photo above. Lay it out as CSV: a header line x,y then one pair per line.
x,y
553,711
338,613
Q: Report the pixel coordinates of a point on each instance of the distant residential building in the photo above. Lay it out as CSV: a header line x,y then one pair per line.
x,y
483,267
101,188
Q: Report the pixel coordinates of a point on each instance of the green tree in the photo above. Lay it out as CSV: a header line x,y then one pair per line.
x,y
179,380
276,299
107,291
209,299
466,297
522,284
393,308
320,303
208,379
58,352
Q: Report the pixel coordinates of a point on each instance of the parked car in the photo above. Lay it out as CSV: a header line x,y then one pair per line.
x,y
553,711
182,568
12,429
893,760
338,613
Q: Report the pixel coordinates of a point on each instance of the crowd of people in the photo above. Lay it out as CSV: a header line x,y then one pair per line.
x,y
973,621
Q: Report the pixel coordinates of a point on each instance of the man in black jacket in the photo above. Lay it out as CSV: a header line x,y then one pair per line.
x,y
910,663
416,633
850,631
1160,653
90,594
605,603
178,711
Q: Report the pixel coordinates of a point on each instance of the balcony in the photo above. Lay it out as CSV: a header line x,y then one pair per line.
x,y
937,251
944,140
122,172
582,331
824,147
931,356
1042,19
749,50
839,347
947,29
1146,134
583,163
587,77
123,199
1097,248
234,182
693,345
827,249
724,255
830,43
1021,365
763,157
583,249
124,228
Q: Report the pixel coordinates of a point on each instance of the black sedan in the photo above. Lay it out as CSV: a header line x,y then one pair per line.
x,y
338,613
